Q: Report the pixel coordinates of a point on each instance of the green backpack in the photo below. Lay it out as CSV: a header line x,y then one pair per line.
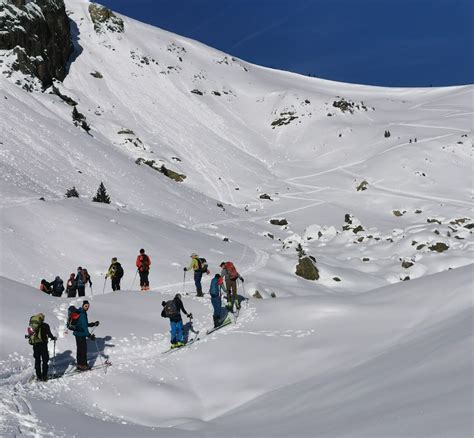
x,y
34,329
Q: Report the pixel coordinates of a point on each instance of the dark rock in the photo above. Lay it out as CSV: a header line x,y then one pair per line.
x,y
257,295
225,239
97,75
178,177
280,222
336,278
439,247
421,246
63,97
433,221
39,31
266,196
196,91
365,259
362,186
307,269
358,229
406,264
398,213
273,295
126,132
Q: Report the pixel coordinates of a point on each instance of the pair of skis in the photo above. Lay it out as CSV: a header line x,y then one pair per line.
x,y
75,371
190,342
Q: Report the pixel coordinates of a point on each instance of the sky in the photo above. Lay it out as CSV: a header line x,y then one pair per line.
x,y
407,43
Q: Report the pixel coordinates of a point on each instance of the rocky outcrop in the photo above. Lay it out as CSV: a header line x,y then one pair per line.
x,y
306,268
105,20
39,35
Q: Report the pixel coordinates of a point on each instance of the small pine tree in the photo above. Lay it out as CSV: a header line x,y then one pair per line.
x,y
300,250
101,195
386,134
72,193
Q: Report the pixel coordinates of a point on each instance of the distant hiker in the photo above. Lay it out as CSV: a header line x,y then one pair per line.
x,y
58,287
71,286
115,273
45,286
199,266
172,309
38,334
82,278
79,323
231,276
143,264
217,285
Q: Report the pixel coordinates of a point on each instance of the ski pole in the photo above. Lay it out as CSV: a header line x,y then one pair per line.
x,y
184,281
105,281
92,293
54,358
134,278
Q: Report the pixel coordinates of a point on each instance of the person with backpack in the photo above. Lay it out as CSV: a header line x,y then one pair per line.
x,y
38,335
58,287
143,264
199,266
115,273
45,286
79,323
217,285
231,276
82,278
172,309
71,286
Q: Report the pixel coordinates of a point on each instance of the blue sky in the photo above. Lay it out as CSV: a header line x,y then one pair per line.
x,y
378,42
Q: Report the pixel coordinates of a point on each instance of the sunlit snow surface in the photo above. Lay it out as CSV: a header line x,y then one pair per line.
x,y
369,355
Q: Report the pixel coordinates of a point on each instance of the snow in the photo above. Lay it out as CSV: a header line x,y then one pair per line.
x,y
368,355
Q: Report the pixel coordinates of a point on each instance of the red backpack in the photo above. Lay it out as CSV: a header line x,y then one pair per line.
x,y
231,270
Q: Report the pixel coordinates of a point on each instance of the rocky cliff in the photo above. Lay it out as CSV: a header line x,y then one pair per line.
x,y
38,34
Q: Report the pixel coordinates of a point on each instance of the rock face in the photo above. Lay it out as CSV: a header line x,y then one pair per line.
x,y
104,19
39,33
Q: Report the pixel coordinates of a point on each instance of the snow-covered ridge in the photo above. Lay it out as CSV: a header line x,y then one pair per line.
x,y
374,183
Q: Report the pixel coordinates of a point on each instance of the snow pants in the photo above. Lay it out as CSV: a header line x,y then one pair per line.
x,y
197,282
41,355
71,293
81,354
231,286
116,283
177,334
144,278
81,291
217,305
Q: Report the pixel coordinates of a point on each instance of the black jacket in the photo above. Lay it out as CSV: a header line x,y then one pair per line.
x,y
179,306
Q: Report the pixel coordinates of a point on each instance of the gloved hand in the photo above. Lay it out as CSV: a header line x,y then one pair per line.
x,y
185,269
190,315
242,279
106,275
92,337
96,323
208,272
54,338
90,283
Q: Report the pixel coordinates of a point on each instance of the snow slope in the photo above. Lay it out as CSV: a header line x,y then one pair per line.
x,y
387,357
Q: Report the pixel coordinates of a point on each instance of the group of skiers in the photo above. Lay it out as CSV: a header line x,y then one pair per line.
x,y
39,331
75,285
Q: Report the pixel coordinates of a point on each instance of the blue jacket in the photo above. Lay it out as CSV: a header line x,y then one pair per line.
x,y
83,324
215,287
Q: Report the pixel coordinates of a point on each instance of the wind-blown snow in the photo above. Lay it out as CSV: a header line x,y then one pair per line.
x,y
359,352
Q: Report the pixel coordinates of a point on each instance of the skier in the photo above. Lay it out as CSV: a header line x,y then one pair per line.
x,y
143,264
58,287
82,278
172,310
217,285
71,286
45,286
115,273
199,266
231,276
39,340
81,333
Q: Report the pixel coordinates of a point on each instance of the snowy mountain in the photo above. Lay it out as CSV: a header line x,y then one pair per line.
x,y
364,187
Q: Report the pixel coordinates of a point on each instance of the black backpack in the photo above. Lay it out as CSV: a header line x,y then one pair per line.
x,y
171,309
58,286
118,270
202,263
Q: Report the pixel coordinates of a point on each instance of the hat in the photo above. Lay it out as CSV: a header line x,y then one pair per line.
x,y
178,296
193,255
163,303
114,259
85,302
142,251
41,316
222,264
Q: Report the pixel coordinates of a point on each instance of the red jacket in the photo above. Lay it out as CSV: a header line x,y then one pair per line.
x,y
143,262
